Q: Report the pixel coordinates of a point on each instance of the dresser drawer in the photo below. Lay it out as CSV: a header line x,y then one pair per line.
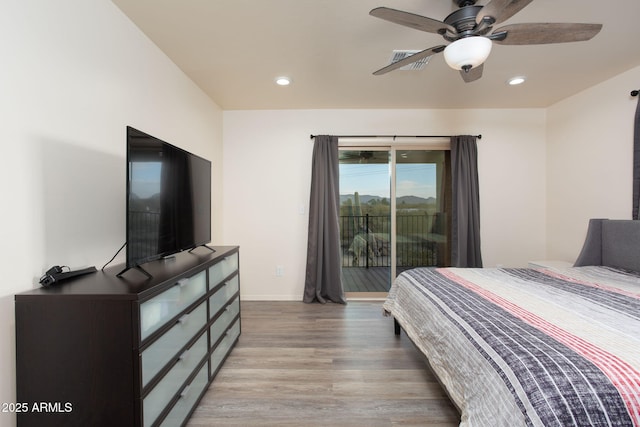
x,y
223,295
156,311
223,347
163,392
160,352
188,398
223,269
226,318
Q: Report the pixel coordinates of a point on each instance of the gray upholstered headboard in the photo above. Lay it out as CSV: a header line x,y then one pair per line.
x,y
612,243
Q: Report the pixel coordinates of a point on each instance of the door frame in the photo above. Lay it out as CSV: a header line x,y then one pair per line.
x,y
392,146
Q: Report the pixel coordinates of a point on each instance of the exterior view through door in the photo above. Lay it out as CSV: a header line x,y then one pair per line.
x,y
395,214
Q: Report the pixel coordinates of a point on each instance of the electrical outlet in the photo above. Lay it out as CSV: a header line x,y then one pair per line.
x,y
279,271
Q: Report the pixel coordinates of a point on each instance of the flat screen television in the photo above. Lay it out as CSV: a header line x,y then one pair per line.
x,y
168,200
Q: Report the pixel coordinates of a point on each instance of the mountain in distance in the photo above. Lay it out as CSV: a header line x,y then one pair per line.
x,y
409,200
364,199
415,200
146,204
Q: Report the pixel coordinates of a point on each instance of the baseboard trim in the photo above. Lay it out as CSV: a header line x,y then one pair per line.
x,y
270,297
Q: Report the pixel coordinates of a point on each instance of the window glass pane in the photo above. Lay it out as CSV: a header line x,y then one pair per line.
x,y
422,200
365,220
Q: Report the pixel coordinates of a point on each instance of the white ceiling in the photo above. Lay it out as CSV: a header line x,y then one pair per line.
x,y
234,50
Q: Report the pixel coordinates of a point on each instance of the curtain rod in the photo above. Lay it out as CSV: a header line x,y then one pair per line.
x,y
394,136
635,92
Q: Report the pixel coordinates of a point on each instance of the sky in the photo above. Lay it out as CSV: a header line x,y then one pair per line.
x,y
373,179
145,180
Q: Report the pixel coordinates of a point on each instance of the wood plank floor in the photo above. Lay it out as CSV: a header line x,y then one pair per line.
x,y
309,365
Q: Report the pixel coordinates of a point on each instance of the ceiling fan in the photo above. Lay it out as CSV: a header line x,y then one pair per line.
x,y
471,34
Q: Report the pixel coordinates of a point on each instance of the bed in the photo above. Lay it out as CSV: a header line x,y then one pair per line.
x,y
534,347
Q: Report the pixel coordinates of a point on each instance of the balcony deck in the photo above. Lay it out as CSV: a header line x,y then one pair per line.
x,y
372,279
360,279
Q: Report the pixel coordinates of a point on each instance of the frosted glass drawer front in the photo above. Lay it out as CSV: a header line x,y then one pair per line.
x,y
156,311
225,319
223,269
160,352
162,393
223,347
187,399
223,295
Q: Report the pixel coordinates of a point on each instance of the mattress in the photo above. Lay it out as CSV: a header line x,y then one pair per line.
x,y
528,347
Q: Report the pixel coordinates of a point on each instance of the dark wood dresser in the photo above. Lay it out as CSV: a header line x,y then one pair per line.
x,y
101,350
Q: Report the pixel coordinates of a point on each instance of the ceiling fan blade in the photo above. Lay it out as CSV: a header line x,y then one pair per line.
x,y
412,20
409,59
501,10
473,74
546,33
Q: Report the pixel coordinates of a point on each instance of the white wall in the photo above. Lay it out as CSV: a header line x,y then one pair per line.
x,y
73,75
589,161
267,157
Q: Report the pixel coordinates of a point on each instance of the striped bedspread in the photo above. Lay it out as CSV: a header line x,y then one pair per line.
x,y
525,347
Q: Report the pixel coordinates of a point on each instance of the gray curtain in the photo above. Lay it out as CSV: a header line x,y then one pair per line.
x,y
323,280
636,163
465,228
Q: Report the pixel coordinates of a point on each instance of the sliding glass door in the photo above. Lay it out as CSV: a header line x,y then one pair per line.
x,y
365,220
394,214
422,209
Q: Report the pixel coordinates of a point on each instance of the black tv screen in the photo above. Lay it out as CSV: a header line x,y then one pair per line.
x,y
168,199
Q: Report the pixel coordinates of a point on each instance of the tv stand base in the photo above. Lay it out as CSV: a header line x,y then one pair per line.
x,y
137,267
206,246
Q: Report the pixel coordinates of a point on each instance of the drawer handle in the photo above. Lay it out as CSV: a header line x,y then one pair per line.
x,y
185,391
184,319
184,356
183,282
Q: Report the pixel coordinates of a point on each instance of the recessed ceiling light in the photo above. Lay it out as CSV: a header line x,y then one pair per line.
x,y
514,81
283,81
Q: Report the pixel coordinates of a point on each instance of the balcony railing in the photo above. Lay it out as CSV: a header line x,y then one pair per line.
x,y
366,240
144,243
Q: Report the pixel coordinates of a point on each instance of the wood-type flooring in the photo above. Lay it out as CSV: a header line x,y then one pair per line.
x,y
308,365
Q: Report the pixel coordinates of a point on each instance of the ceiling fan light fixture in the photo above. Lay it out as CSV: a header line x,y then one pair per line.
x,y
468,52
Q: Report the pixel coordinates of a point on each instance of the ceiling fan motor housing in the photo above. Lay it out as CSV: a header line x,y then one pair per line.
x,y
464,21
